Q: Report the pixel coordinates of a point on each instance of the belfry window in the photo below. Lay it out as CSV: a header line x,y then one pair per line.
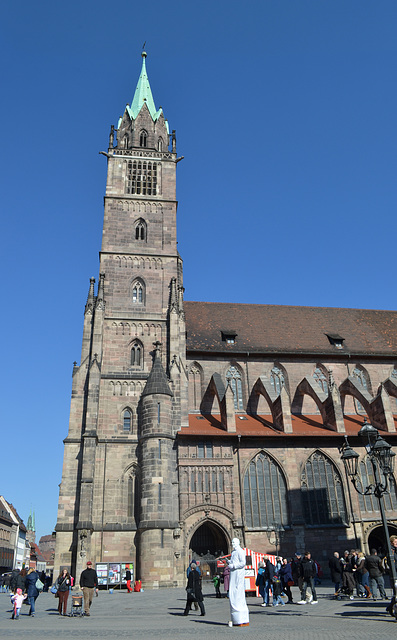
x,y
141,178
143,138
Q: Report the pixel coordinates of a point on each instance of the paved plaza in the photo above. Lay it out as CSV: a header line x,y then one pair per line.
x,y
158,614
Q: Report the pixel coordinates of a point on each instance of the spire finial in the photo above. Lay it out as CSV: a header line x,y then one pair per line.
x,y
144,54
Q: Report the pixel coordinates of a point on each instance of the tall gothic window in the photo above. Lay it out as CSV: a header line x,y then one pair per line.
x,y
320,378
234,377
138,293
369,502
265,493
133,498
140,230
322,492
361,377
276,379
136,354
127,421
194,387
143,138
141,178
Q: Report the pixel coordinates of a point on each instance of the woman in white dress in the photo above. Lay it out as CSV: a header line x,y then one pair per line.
x,y
238,606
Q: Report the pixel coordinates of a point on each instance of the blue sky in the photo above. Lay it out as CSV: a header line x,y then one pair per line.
x,y
285,111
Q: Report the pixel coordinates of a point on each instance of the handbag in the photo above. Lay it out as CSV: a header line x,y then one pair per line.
x,y
39,585
53,589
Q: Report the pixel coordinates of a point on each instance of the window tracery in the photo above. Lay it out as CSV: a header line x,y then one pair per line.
x,y
322,493
265,493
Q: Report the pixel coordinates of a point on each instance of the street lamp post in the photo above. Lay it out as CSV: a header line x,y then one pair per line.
x,y
381,457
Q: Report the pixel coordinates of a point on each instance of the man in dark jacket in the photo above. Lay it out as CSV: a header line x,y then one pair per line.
x,y
193,590
88,582
309,571
336,571
374,566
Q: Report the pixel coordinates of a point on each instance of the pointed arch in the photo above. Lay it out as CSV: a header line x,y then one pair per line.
x,y
143,136
136,354
138,292
195,386
140,227
127,419
265,493
132,488
278,378
234,378
323,501
361,375
321,377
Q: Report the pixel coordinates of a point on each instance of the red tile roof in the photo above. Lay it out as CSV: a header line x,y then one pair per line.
x,y
262,426
286,329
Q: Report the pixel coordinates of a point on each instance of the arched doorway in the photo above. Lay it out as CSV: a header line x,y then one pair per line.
x,y
208,543
376,539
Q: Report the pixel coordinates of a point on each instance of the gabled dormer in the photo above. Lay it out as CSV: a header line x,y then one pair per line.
x,y
142,126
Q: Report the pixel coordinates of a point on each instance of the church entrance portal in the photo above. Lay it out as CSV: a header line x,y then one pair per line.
x,y
376,539
208,543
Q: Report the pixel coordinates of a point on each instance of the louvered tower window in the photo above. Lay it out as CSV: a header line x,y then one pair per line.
x,y
141,178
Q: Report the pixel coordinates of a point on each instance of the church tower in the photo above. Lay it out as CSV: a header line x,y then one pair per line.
x,y
118,497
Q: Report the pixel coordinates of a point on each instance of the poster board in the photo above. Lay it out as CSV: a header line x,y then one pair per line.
x,y
112,574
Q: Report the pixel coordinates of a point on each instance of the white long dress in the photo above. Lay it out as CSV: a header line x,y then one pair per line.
x,y
238,606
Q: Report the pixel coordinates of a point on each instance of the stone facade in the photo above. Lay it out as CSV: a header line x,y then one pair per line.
x,y
192,423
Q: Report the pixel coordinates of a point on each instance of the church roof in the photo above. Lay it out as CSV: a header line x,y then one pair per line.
x,y
288,329
260,426
157,382
143,93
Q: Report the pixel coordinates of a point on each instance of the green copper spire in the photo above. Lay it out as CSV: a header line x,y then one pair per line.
x,y
143,93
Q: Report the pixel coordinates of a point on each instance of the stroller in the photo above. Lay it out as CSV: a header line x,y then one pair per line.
x,y
77,605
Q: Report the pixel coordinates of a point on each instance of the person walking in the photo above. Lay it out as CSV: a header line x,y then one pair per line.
x,y
362,574
309,571
63,584
88,583
286,579
374,566
128,579
31,590
269,572
17,600
193,590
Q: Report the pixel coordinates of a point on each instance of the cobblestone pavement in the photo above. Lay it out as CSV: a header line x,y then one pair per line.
x,y
158,614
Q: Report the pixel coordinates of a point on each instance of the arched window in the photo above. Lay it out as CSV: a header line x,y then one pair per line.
x,y
369,502
127,421
265,493
133,498
233,376
362,378
160,144
320,378
276,379
322,493
140,230
194,387
136,354
143,138
138,292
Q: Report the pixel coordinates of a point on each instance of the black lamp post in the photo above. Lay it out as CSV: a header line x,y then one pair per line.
x,y
382,460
